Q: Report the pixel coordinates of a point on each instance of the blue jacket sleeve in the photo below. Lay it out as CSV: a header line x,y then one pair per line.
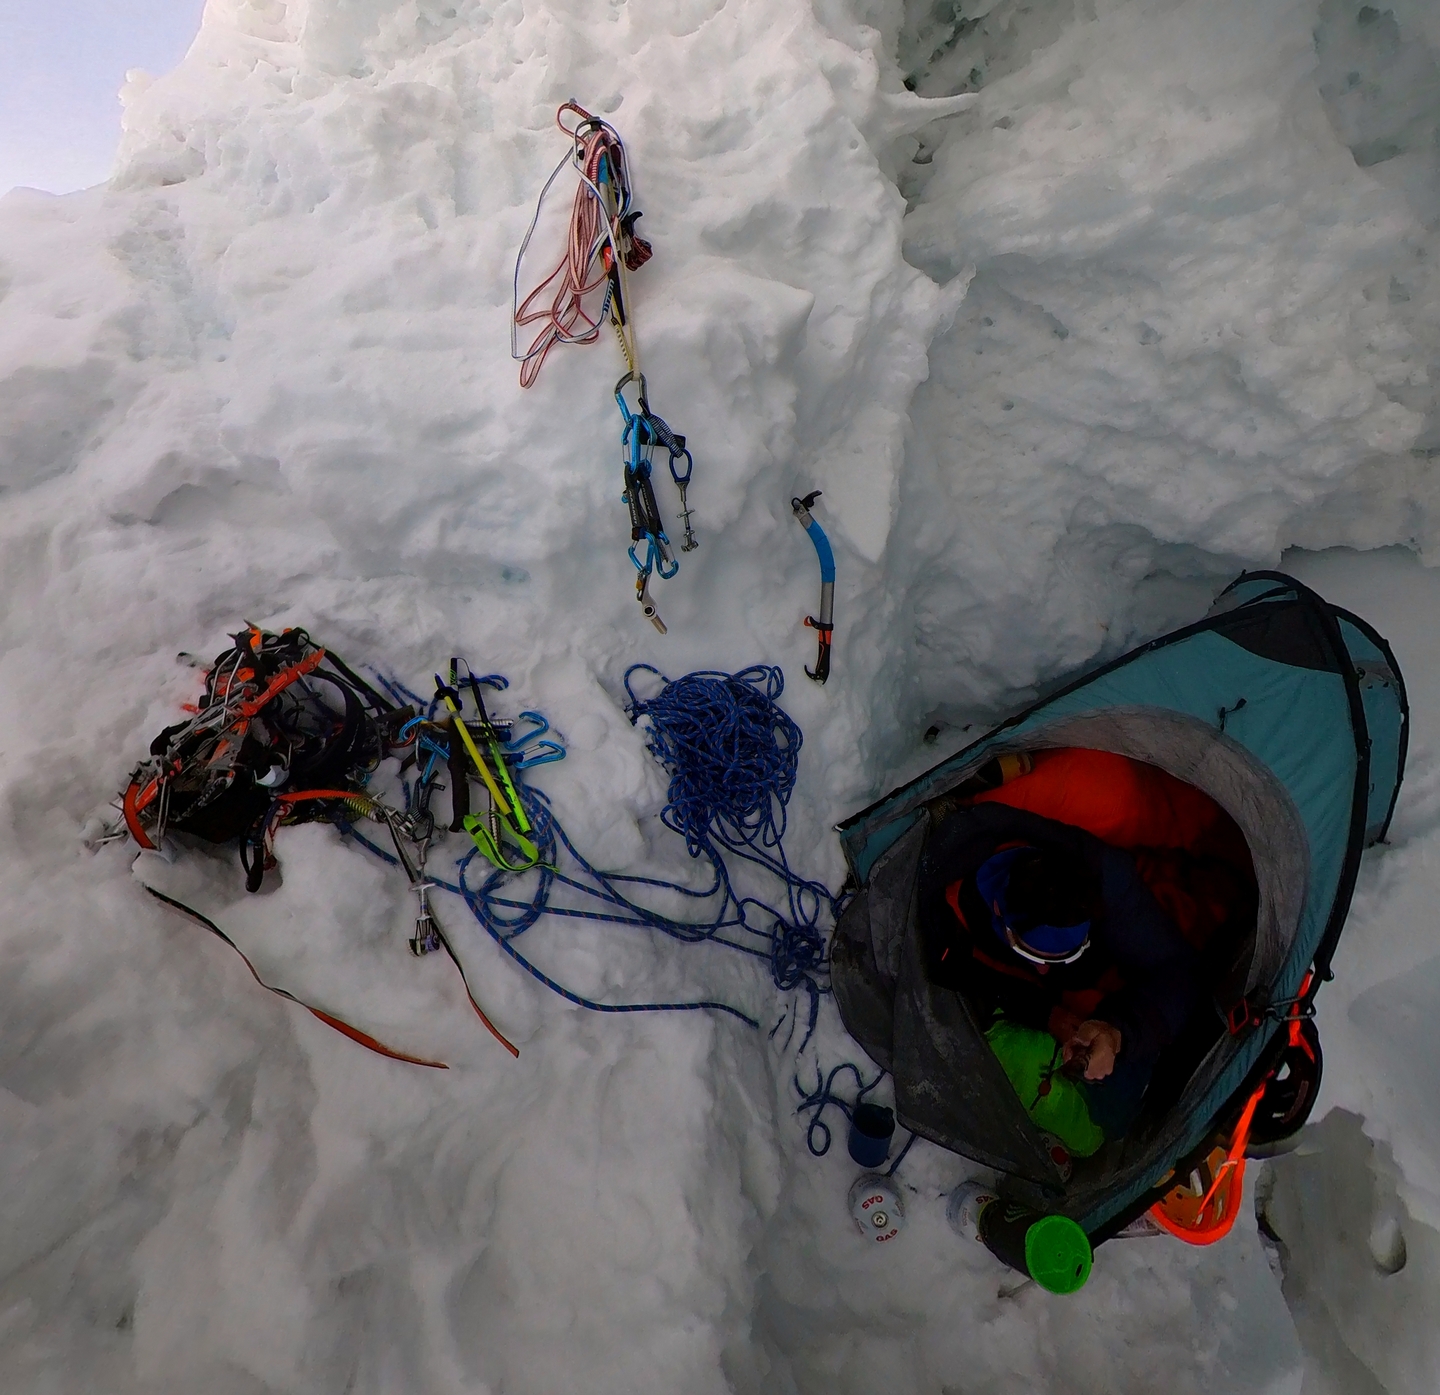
x,y
1160,969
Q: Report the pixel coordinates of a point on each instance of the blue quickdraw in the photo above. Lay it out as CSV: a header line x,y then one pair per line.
x,y
530,750
642,432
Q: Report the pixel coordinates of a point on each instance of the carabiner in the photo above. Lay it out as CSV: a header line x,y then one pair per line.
x,y
541,726
625,412
541,753
658,557
529,750
648,565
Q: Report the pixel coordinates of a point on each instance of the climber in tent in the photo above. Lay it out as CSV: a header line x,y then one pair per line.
x,y
1238,768
1044,927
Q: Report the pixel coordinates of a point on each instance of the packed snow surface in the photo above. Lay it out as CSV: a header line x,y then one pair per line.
x,y
1070,309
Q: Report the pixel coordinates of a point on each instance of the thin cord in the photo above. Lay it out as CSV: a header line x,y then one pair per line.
x,y
594,225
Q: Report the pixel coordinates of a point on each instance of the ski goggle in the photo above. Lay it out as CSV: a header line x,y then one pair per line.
x,y
1039,944
1050,944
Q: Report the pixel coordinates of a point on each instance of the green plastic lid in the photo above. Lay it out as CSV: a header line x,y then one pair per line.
x,y
1058,1254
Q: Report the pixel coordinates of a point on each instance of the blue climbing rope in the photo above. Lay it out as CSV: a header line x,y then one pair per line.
x,y
732,755
824,1095
489,909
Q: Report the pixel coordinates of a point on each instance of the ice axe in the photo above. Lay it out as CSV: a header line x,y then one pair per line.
x,y
824,625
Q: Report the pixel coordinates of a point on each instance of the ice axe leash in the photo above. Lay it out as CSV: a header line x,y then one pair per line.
x,y
824,624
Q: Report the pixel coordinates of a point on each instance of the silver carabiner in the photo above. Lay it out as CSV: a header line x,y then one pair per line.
x,y
648,607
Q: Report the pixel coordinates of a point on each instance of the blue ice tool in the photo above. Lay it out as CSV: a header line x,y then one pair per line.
x,y
825,625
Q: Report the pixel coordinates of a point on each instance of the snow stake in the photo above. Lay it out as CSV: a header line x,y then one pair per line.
x,y
824,626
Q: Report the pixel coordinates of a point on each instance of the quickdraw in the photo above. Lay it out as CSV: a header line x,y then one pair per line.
x,y
824,624
642,432
589,286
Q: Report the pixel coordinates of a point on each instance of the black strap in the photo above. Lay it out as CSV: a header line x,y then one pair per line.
x,y
459,779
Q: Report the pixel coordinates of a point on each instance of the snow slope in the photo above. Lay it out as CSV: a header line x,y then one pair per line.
x,y
1356,1210
1157,302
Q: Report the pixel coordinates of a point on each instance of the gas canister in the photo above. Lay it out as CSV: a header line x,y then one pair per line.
x,y
875,1203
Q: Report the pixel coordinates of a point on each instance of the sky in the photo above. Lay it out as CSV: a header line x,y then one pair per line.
x,y
61,68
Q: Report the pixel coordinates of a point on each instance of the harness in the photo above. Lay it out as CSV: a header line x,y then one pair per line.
x,y
266,745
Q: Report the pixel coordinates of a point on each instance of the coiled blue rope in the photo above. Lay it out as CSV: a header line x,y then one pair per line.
x,y
822,1095
733,756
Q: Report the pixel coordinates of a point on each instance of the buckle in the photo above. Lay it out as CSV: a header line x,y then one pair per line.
x,y
1242,1016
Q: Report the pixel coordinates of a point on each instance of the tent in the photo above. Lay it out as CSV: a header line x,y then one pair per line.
x,y
1290,714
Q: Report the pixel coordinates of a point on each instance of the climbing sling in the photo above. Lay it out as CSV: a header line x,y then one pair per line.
x,y
589,286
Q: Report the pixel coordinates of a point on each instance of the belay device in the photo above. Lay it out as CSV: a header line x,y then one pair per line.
x,y
824,623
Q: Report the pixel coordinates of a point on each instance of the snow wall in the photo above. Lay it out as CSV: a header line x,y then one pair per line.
x,y
1069,309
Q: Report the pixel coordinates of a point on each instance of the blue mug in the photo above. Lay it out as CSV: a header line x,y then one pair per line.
x,y
872,1126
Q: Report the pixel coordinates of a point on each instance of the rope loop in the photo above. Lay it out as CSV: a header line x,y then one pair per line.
x,y
823,1095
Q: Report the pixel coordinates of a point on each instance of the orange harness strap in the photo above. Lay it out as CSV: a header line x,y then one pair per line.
x,y
1202,1218
281,681
354,1033
1208,1217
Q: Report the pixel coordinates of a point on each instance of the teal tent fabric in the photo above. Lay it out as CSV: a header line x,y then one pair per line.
x,y
1287,711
